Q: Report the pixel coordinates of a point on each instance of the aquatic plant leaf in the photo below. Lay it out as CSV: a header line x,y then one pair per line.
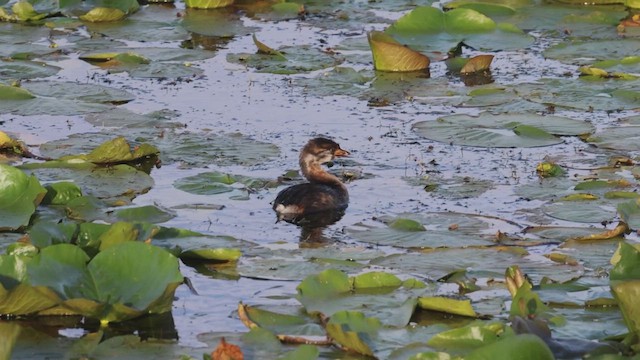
x,y
591,51
431,230
43,234
617,138
282,323
512,130
595,211
119,150
324,285
60,193
447,305
102,14
58,267
111,182
376,279
353,330
626,286
475,64
526,347
465,20
217,254
479,262
299,59
307,352
132,273
575,94
8,92
630,213
20,194
149,213
208,4
471,336
429,29
390,55
25,11
378,295
212,183
24,299
486,8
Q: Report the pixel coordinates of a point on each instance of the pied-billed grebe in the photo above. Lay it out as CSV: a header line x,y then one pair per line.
x,y
324,193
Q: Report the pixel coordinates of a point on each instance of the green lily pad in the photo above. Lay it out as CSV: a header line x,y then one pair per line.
x,y
101,14
479,262
353,330
24,69
390,55
591,51
150,213
60,193
20,194
580,211
116,151
212,183
513,130
112,182
617,138
133,277
330,291
432,230
298,59
428,28
526,347
583,94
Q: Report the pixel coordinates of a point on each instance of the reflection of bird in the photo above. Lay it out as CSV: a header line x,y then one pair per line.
x,y
324,198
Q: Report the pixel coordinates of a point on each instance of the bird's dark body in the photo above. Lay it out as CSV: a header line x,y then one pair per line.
x,y
310,199
321,201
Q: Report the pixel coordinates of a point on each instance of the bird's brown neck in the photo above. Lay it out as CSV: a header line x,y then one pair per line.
x,y
315,173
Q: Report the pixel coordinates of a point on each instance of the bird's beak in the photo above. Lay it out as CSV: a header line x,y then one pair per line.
x,y
340,153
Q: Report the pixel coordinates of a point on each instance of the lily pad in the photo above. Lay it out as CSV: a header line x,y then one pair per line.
x,y
433,230
441,31
390,55
583,94
479,262
25,69
297,59
20,194
513,130
212,183
102,182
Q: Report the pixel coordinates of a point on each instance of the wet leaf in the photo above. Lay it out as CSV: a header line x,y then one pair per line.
x,y
101,14
14,93
486,130
102,182
299,59
477,64
406,225
468,337
20,194
526,347
264,49
390,55
353,330
447,305
150,213
376,279
212,183
208,4
60,193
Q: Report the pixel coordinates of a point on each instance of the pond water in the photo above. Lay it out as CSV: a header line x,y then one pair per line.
x,y
390,167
